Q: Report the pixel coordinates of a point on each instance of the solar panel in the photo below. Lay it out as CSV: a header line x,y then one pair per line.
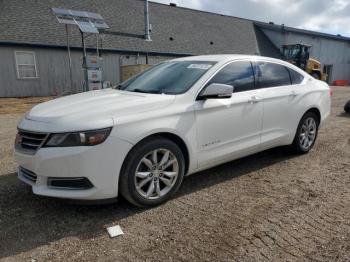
x,y
79,13
100,24
60,11
88,22
87,27
66,21
94,16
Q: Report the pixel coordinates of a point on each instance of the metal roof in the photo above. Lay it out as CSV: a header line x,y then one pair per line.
x,y
174,30
277,27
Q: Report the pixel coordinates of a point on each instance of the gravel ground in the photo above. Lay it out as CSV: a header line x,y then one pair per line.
x,y
271,206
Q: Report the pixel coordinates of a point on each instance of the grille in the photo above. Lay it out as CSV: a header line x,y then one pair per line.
x,y
30,142
29,175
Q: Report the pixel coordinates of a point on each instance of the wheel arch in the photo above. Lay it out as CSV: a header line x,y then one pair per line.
x,y
172,137
316,111
295,143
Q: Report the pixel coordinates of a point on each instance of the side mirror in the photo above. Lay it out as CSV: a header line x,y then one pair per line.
x,y
216,91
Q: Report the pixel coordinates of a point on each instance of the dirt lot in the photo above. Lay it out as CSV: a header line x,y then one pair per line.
x,y
272,206
19,105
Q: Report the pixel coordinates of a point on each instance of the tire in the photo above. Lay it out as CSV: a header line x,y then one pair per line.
x,y
347,107
140,170
307,129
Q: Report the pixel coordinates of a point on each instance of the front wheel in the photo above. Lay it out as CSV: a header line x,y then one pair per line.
x,y
152,173
306,134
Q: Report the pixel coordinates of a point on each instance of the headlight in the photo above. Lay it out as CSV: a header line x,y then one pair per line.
x,y
84,138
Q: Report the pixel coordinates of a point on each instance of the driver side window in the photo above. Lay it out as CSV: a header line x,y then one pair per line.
x,y
237,74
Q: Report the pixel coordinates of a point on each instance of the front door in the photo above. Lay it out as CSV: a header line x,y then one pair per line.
x,y
229,128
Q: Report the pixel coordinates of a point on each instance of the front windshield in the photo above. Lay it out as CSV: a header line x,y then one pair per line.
x,y
175,77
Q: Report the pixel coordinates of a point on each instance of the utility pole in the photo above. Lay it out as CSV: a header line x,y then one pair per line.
x,y
69,60
86,80
147,27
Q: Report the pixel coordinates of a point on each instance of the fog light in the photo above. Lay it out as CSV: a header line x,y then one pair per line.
x,y
76,183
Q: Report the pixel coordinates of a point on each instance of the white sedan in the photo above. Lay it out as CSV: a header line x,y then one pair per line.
x,y
141,138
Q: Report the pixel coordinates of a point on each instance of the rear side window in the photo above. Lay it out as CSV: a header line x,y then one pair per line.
x,y
295,77
271,75
237,74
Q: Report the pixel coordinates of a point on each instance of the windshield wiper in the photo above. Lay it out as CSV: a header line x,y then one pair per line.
x,y
118,87
145,91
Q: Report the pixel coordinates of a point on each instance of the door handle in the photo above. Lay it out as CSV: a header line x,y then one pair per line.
x,y
293,94
254,100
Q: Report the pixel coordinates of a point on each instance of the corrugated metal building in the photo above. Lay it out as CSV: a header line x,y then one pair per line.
x,y
33,43
333,51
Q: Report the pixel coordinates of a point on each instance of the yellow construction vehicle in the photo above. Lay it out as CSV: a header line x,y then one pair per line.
x,y
299,55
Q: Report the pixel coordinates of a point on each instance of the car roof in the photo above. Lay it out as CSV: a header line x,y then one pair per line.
x,y
228,57
216,58
224,58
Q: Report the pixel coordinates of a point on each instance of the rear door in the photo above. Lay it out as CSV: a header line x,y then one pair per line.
x,y
280,102
230,128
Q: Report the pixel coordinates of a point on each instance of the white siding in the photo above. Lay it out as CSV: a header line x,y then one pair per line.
x,y
53,71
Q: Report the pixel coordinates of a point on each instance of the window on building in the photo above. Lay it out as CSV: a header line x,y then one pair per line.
x,y
237,74
26,65
271,75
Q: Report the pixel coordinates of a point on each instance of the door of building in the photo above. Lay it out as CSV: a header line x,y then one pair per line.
x,y
327,69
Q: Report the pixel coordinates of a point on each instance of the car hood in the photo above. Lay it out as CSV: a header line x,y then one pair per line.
x,y
95,109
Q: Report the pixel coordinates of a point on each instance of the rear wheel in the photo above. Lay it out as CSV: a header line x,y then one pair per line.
x,y
306,134
152,173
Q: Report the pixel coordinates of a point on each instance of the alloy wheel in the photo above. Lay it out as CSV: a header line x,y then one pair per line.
x,y
308,133
156,174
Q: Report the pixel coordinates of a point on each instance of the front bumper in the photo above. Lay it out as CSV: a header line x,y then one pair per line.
x,y
99,164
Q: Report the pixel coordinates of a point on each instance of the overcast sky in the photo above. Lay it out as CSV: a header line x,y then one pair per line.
x,y
329,16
